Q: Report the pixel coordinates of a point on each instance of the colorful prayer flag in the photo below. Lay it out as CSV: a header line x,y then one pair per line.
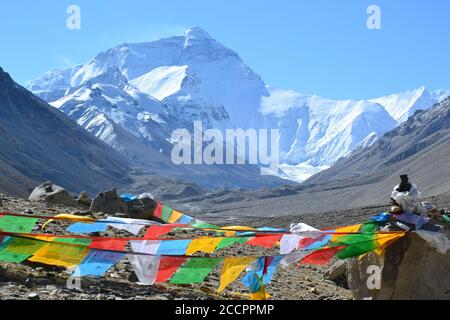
x,y
207,245
266,241
167,267
173,247
195,270
64,252
185,219
15,224
175,216
145,267
81,227
10,257
145,246
108,244
158,210
165,214
321,256
226,242
158,231
97,262
232,269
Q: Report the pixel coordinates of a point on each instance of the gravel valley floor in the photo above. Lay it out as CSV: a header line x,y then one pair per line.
x,y
33,281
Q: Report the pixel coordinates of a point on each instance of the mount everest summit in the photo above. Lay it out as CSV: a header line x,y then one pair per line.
x,y
134,96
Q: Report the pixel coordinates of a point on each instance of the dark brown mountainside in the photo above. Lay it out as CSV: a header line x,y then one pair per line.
x,y
38,143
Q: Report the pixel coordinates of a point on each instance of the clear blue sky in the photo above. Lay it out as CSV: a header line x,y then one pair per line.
x,y
315,46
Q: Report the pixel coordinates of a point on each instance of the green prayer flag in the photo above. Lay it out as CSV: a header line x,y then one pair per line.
x,y
204,225
369,227
25,246
17,224
195,270
356,245
78,241
226,242
166,212
13,257
9,256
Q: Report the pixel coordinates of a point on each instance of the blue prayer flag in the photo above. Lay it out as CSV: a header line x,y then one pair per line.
x,y
82,227
173,247
97,262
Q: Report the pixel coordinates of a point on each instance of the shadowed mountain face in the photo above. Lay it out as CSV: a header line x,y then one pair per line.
x,y
419,147
38,143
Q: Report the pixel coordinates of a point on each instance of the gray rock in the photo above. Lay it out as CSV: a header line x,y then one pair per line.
x,y
51,193
84,201
33,296
108,202
314,290
337,273
141,208
410,270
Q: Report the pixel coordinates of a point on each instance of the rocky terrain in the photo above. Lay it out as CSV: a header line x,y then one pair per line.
x,y
32,281
37,281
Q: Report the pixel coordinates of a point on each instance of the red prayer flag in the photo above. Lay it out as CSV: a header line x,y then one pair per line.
x,y
306,242
108,244
167,267
158,210
158,231
265,241
267,262
322,256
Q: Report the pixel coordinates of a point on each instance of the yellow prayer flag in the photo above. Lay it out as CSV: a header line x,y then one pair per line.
x,y
232,268
260,295
175,216
70,217
235,228
207,245
384,240
349,229
60,254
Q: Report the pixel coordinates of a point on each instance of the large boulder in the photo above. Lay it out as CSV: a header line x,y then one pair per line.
x,y
141,208
410,269
51,193
84,201
338,273
109,202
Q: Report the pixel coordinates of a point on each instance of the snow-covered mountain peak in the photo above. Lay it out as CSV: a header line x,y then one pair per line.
x,y
280,101
150,89
197,33
110,76
161,82
403,105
